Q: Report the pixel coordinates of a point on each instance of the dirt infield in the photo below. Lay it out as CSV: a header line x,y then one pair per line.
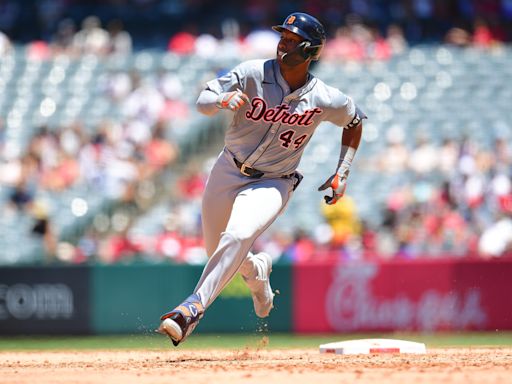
x,y
469,365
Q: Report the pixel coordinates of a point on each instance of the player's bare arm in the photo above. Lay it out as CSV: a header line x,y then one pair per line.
x,y
350,139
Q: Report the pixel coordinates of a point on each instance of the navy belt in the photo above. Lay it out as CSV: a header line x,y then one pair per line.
x,y
256,174
248,171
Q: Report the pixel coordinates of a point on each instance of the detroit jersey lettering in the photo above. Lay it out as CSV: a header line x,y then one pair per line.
x,y
259,110
271,132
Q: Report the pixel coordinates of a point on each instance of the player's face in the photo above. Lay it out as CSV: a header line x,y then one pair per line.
x,y
287,43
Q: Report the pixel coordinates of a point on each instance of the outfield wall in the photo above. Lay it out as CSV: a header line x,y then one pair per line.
x,y
49,300
389,296
429,295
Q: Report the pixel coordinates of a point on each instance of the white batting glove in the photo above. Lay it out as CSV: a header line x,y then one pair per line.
x,y
338,183
232,100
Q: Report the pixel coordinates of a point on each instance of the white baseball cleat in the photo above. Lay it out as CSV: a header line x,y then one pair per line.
x,y
181,321
171,328
262,295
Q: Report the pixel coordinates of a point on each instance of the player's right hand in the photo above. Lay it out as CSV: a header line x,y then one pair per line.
x,y
338,184
232,100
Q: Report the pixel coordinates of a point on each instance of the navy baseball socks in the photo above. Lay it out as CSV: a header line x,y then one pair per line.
x,y
181,321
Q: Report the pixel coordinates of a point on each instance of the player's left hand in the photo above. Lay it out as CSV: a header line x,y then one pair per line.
x,y
232,100
338,183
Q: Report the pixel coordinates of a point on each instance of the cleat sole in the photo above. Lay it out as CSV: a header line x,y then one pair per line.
x,y
171,329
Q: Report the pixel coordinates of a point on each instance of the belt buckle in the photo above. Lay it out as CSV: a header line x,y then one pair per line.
x,y
242,170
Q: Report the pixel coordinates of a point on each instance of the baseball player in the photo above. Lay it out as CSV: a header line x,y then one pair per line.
x,y
277,106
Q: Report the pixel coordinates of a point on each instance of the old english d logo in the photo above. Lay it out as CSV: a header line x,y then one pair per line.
x,y
290,20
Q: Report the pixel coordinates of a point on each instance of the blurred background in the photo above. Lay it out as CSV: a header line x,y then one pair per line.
x,y
103,158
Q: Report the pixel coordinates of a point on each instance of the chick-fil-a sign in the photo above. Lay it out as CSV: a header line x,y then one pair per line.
x,y
388,296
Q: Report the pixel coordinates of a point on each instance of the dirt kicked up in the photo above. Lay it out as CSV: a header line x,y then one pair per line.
x,y
296,366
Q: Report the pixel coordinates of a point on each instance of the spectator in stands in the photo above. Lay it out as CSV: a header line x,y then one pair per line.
x,y
502,152
206,46
122,172
93,157
144,105
159,152
63,39
12,170
458,37
276,243
496,240
118,247
169,242
260,42
86,248
482,35
424,156
300,250
43,230
120,41
183,42
175,108
72,137
117,85
5,44
448,156
170,85
378,47
396,39
62,174
92,38
230,45
38,50
397,154
192,182
343,47
21,196
343,220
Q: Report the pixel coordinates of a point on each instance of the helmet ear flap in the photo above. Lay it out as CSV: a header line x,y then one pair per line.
x,y
304,49
303,52
310,51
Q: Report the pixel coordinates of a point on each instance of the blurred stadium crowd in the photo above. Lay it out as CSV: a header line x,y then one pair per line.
x,y
422,20
100,143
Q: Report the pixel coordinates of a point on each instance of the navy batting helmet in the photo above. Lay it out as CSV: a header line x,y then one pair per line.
x,y
309,28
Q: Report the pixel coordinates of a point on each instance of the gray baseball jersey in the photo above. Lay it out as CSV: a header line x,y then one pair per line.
x,y
271,132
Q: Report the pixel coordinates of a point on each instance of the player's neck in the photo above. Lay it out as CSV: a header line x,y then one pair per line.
x,y
296,77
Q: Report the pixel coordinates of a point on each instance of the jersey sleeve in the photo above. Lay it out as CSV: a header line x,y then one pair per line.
x,y
343,111
228,82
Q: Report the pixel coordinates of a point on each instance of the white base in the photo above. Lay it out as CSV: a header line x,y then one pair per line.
x,y
373,346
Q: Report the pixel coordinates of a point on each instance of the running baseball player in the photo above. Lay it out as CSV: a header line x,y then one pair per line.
x,y
277,106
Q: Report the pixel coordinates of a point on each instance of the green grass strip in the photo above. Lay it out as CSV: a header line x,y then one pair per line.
x,y
233,341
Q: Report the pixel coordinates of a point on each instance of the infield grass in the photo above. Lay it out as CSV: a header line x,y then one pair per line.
x,y
255,341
